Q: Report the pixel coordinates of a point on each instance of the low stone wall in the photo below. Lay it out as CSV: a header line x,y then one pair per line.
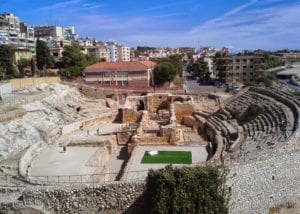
x,y
104,118
27,158
108,198
18,84
255,187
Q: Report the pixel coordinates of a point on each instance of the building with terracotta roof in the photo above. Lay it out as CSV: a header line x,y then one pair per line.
x,y
135,74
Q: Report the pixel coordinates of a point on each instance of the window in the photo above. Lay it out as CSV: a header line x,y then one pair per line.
x,y
237,67
244,66
237,60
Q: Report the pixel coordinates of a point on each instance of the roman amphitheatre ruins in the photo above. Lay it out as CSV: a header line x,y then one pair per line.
x,y
60,142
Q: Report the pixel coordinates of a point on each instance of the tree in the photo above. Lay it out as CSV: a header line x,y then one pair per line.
x,y
6,61
176,61
22,63
200,69
73,62
32,67
187,190
43,57
164,72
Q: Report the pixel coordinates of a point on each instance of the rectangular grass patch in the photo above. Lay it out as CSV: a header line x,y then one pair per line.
x,y
168,157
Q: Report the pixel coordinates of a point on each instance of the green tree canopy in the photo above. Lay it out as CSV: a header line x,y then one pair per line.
x,y
43,57
176,61
164,72
6,61
22,63
200,69
73,62
32,67
187,190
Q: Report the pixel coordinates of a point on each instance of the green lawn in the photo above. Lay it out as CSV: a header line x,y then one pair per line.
x,y
169,157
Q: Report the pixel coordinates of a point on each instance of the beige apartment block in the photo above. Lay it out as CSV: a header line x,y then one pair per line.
x,y
238,70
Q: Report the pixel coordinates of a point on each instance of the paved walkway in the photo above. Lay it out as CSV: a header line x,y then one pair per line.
x,y
53,162
138,170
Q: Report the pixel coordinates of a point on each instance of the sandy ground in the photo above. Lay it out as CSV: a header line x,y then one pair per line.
x,y
139,171
53,162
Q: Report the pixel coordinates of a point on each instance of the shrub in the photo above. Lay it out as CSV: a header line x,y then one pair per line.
x,y
187,190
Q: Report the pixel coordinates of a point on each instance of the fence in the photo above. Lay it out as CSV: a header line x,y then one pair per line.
x,y
66,180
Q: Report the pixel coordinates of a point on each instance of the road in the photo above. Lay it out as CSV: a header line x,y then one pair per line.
x,y
193,87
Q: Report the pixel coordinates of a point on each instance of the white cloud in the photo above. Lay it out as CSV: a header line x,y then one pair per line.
x,y
269,28
61,4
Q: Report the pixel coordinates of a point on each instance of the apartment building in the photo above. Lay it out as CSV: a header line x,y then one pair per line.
x,y
123,53
49,32
27,37
16,34
238,70
113,51
104,53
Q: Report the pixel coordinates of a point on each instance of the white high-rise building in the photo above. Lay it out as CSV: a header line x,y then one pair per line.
x,y
16,34
113,51
123,53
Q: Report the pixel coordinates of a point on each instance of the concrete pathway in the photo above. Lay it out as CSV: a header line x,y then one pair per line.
x,y
53,162
136,170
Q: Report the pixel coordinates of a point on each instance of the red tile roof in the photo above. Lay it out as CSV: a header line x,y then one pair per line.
x,y
115,66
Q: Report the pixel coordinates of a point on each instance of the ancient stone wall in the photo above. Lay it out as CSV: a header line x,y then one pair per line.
x,y
284,100
182,110
108,198
230,99
130,115
18,84
104,118
156,101
255,187
139,84
190,121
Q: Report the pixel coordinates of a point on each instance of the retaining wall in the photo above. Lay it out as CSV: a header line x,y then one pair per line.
x,y
255,187
27,158
107,117
18,84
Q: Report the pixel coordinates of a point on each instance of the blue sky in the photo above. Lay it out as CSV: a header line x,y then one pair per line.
x,y
238,24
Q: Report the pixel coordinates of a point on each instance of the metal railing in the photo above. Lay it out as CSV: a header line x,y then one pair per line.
x,y
87,178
